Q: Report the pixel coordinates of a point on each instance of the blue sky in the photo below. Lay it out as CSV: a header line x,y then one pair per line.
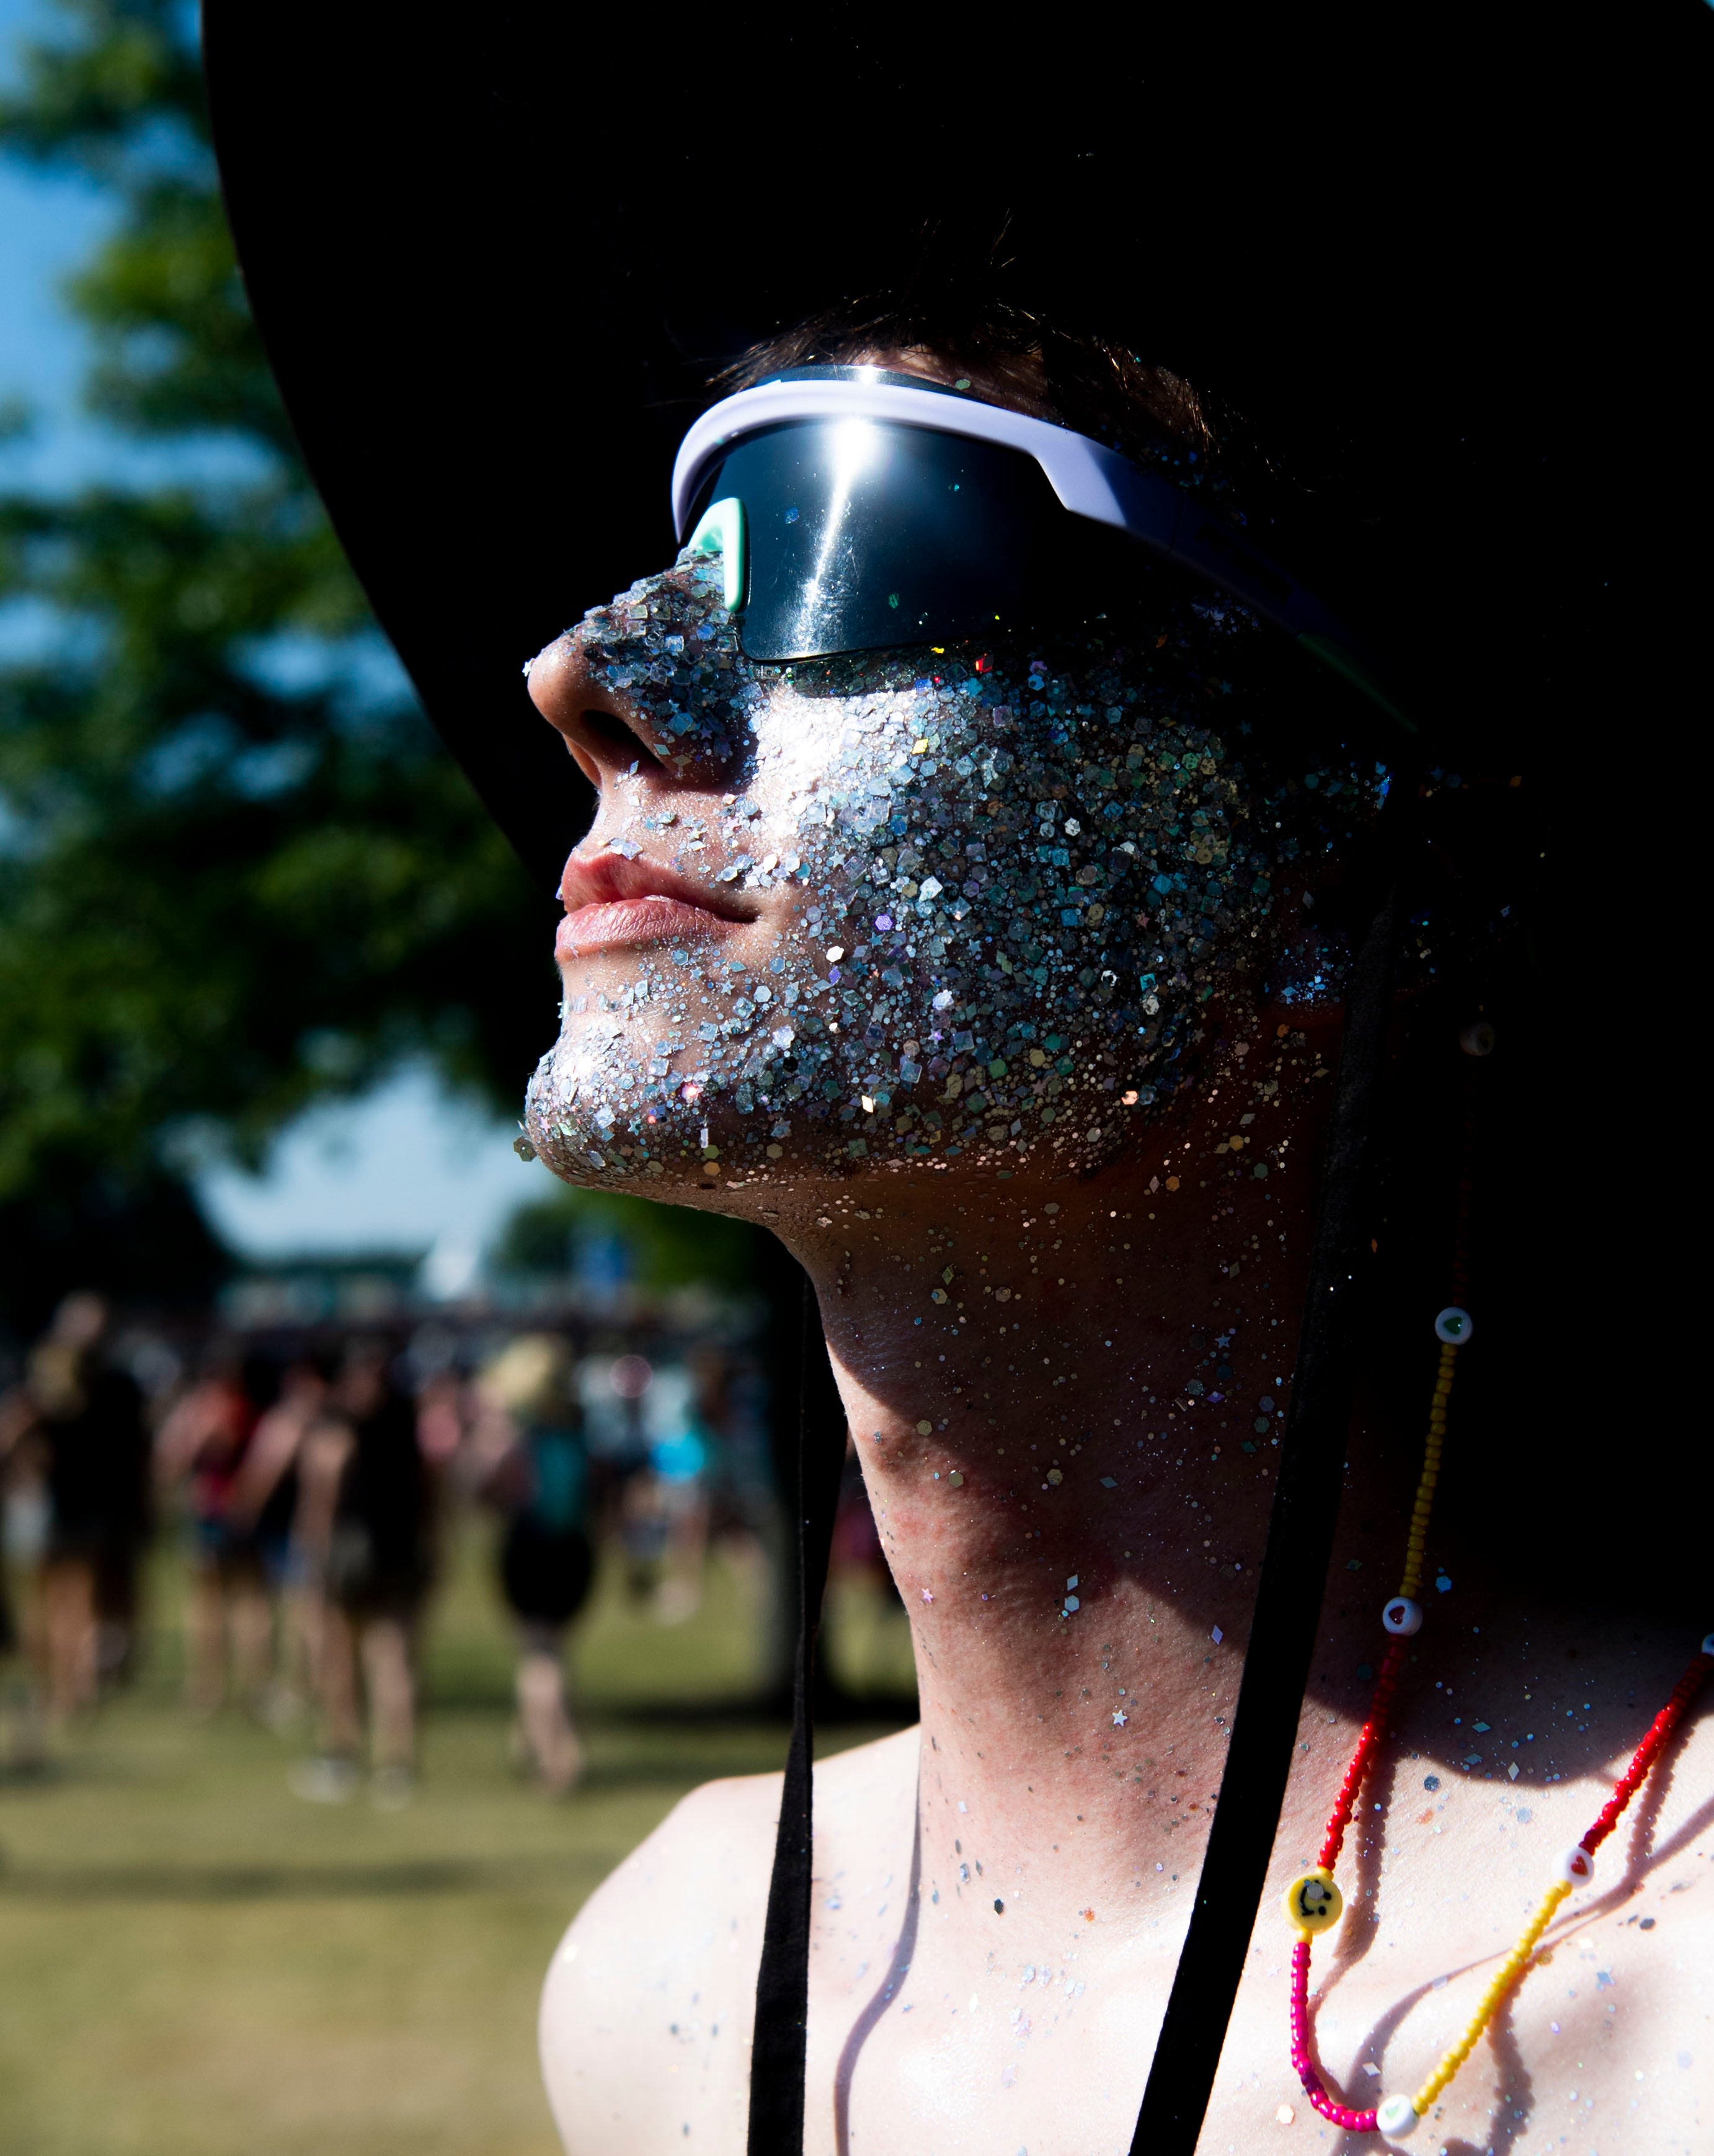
x,y
45,226
409,1166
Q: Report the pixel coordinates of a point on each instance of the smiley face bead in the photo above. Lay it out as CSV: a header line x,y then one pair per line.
x,y
1312,1903
1402,1617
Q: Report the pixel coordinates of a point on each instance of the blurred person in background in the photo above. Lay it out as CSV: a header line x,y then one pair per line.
x,y
610,1390
528,1458
201,1448
77,1423
124,1387
9,1635
614,1389
18,1745
747,1524
443,1408
263,1504
633,1499
23,1537
367,1525
680,1451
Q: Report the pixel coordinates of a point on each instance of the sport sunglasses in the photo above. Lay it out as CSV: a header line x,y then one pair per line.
x,y
856,510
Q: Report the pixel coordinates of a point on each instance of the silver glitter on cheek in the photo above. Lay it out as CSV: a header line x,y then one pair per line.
x,y
999,892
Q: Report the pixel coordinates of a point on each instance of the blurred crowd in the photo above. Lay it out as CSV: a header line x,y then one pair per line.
x,y
314,1480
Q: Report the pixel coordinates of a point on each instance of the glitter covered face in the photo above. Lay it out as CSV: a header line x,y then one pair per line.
x,y
959,909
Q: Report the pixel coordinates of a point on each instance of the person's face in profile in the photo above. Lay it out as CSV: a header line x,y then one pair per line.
x,y
948,910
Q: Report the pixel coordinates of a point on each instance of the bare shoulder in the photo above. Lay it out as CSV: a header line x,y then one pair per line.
x,y
647,2009
650,2001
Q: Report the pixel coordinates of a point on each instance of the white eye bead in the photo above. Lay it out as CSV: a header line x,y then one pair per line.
x,y
1708,1645
1455,1326
1396,2116
1577,1866
1477,1040
1402,1617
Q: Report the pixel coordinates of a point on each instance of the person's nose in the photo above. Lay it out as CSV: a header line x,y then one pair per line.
x,y
605,731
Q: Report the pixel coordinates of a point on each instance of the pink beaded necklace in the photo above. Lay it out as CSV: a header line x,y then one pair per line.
x,y
1313,1902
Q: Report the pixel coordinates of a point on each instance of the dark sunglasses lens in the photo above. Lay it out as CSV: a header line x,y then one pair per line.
x,y
863,537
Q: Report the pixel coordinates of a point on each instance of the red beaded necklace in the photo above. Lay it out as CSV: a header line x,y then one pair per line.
x,y
1313,1902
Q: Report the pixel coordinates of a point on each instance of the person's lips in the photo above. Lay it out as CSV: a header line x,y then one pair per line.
x,y
612,902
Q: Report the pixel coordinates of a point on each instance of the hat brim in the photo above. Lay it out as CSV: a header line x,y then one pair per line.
x,y
494,268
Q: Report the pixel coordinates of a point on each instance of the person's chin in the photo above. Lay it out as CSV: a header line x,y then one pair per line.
x,y
666,1159
590,1130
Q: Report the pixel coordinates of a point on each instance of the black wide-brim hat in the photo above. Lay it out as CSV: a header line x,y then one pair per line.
x,y
496,257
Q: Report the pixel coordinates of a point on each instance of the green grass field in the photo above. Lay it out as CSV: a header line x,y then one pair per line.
x,y
194,1962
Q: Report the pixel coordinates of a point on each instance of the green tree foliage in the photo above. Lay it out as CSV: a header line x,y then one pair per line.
x,y
236,869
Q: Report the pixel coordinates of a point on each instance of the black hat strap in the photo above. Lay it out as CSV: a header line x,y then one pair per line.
x,y
783,1982
1276,1671
1288,1603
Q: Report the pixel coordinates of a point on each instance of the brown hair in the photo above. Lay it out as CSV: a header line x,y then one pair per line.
x,y
1088,382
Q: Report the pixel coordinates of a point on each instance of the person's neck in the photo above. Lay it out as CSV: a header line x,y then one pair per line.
x,y
1071,1462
